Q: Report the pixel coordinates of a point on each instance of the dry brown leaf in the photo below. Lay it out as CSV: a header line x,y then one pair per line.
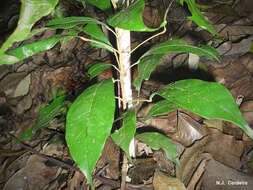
x,y
197,175
225,149
75,181
247,61
143,169
247,111
110,156
214,123
164,181
190,159
235,77
164,163
35,175
221,177
188,130
9,83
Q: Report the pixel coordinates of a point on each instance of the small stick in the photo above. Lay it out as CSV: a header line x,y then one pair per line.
x,y
50,158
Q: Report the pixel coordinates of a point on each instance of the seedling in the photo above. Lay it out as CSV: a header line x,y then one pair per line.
x,y
91,116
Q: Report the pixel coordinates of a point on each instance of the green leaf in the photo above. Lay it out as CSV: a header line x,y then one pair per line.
x,y
197,16
28,50
101,4
89,122
207,99
48,113
125,134
96,33
180,45
146,65
70,22
31,11
96,69
158,141
151,58
131,18
160,108
27,134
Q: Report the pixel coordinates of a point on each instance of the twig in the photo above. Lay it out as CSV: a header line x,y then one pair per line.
x,y
108,28
114,4
124,172
150,38
158,34
111,182
50,158
97,42
136,63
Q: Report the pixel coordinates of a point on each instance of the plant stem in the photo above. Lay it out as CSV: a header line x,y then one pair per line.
x,y
124,49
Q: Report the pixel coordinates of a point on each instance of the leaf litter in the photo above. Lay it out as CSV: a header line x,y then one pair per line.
x,y
206,155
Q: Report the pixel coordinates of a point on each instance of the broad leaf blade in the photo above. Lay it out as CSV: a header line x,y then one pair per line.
x,y
131,18
96,69
151,58
145,67
89,122
101,4
160,108
125,134
182,46
48,113
207,99
158,141
28,50
96,33
197,16
70,22
31,11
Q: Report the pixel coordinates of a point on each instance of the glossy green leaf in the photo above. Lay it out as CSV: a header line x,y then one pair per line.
x,y
197,16
180,45
89,122
146,65
96,33
70,22
31,11
161,107
96,69
101,4
28,50
151,58
125,134
158,141
207,99
131,18
48,113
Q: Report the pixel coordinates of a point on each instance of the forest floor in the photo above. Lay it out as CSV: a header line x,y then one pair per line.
x,y
214,154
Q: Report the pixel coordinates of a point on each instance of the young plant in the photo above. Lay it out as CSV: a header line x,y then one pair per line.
x,y
91,116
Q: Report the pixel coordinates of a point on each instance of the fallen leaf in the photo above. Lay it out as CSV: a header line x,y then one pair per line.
x,y
221,177
164,181
35,175
197,175
23,87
